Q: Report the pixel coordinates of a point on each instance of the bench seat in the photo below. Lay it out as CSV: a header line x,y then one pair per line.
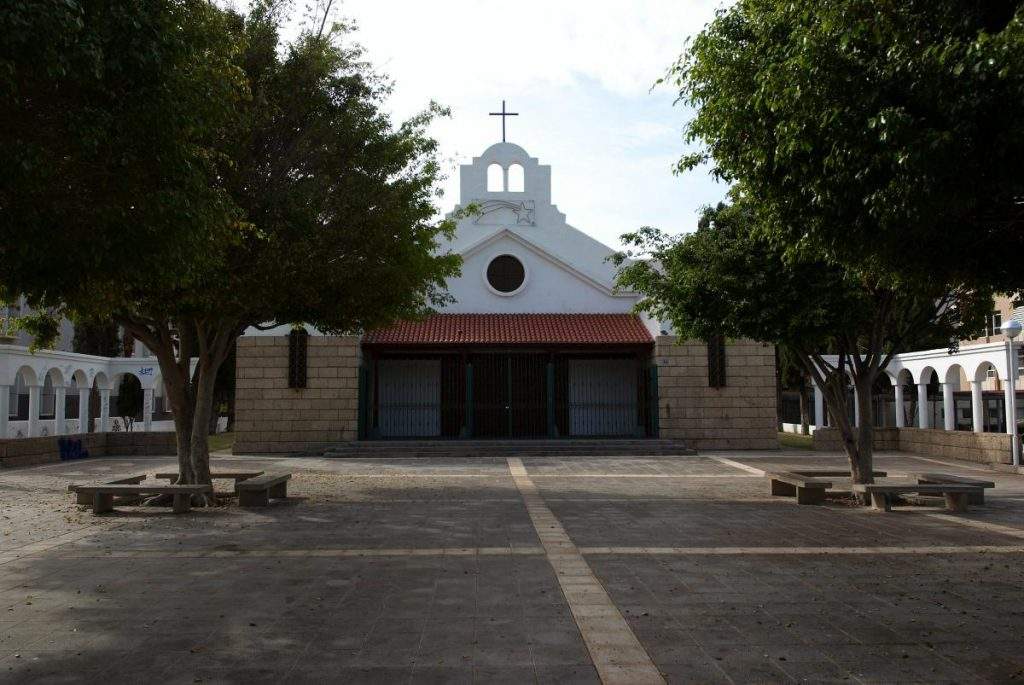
x,y
83,498
831,473
955,495
257,491
237,476
103,494
940,478
807,490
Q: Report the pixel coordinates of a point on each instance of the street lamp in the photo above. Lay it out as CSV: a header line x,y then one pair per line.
x,y
1011,329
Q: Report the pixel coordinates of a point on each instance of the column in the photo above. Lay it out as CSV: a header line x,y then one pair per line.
x,y
59,401
147,409
83,410
33,410
948,407
1008,405
900,419
977,410
819,408
5,409
922,405
104,409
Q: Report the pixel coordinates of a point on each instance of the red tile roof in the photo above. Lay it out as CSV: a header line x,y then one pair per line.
x,y
515,329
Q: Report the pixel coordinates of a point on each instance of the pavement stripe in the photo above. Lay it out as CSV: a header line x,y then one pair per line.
x,y
617,654
738,465
729,551
333,553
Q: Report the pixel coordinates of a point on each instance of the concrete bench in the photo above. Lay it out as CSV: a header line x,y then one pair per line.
x,y
956,496
103,494
949,478
237,476
831,473
87,499
806,489
257,492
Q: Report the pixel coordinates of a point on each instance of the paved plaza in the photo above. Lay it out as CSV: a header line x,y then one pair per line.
x,y
488,570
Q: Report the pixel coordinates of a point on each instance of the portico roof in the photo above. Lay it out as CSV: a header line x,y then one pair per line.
x,y
515,329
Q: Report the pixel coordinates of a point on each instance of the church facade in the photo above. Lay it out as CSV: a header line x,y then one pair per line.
x,y
538,344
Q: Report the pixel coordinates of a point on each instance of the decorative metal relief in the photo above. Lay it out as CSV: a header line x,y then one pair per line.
x,y
525,211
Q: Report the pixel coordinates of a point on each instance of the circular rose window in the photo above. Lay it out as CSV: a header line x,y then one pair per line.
x,y
506,274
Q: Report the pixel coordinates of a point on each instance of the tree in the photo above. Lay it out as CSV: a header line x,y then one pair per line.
x,y
305,204
887,135
130,397
729,279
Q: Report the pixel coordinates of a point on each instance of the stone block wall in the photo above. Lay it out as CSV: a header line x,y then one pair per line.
x,y
828,440
986,448
983,448
741,415
46,450
271,417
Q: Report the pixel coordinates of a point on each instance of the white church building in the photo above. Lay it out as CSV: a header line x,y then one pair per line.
x,y
537,344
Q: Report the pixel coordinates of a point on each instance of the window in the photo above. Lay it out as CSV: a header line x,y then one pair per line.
x,y
995,323
506,274
516,179
495,178
298,342
716,361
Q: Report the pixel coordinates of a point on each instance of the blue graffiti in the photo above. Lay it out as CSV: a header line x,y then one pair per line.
x,y
71,449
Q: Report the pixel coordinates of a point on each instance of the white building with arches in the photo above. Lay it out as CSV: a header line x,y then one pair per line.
x,y
51,380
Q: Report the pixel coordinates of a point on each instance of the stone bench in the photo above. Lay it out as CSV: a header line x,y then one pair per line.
x,y
831,473
237,476
257,492
956,496
103,494
807,490
87,499
949,478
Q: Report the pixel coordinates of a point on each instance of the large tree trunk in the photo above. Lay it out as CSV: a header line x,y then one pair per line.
x,y
200,448
862,467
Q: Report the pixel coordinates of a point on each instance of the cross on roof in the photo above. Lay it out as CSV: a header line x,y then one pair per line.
x,y
503,114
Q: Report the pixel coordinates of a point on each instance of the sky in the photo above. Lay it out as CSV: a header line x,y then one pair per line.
x,y
580,73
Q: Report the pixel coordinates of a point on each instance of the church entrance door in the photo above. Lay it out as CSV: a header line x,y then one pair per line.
x,y
509,395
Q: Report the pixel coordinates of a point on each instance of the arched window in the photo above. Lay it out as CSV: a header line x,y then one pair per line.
x,y
516,179
495,178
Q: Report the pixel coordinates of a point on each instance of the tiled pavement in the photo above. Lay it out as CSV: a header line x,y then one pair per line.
x,y
555,570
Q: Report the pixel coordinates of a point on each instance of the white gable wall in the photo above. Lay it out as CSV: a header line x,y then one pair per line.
x,y
549,287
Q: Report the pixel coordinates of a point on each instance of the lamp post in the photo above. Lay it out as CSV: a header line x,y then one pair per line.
x,y
1011,329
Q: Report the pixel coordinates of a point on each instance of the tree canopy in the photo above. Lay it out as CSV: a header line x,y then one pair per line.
x,y
294,198
729,278
888,134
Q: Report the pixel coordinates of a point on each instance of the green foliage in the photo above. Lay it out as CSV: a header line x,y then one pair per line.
x,y
110,115
102,339
728,277
886,135
130,398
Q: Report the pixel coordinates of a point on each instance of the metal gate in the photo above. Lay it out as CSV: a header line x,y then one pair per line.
x,y
508,395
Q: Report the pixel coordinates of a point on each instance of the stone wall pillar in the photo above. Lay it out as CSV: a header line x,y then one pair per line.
x,y
922,405
147,409
83,410
898,391
104,410
5,410
819,408
948,407
977,408
34,394
60,394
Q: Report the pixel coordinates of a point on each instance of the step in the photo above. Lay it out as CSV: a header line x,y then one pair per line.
x,y
405,449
